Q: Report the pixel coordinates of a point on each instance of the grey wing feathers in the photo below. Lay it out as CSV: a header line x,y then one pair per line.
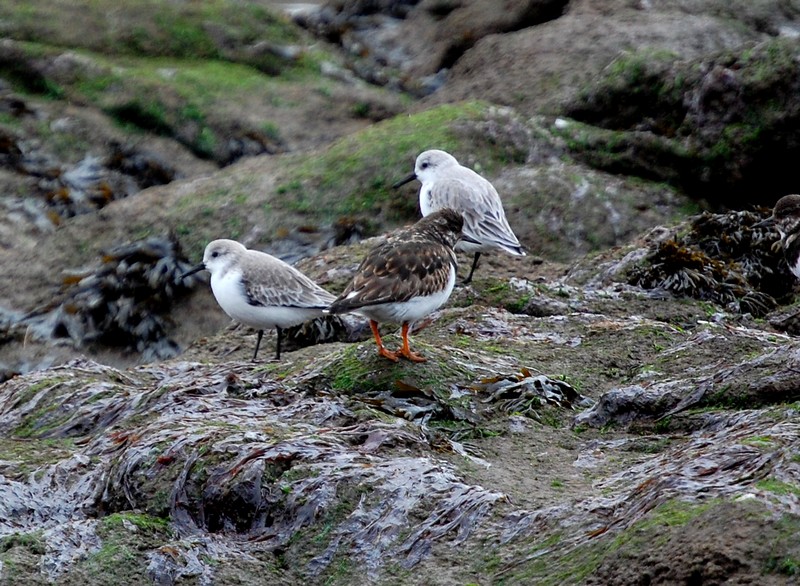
x,y
482,208
491,229
286,288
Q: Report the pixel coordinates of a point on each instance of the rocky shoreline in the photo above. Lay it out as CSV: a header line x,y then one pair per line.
x,y
619,406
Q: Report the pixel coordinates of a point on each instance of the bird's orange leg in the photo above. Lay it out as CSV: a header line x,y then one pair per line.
x,y
405,351
382,351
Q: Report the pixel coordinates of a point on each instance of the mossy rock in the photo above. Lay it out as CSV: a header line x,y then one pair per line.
x,y
152,28
714,126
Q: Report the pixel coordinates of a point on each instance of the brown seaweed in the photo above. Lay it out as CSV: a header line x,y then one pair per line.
x,y
722,258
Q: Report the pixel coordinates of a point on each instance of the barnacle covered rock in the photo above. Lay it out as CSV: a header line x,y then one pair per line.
x,y
723,258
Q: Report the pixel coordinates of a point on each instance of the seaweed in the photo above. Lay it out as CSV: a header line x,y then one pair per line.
x,y
723,258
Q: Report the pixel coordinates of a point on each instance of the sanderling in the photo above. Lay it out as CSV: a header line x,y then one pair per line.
x,y
259,290
446,184
786,218
403,279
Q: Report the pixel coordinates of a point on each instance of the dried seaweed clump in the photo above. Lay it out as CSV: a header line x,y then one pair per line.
x,y
93,183
122,301
526,393
723,259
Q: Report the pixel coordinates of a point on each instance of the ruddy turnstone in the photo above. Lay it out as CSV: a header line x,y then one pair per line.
x,y
403,279
259,290
446,184
786,219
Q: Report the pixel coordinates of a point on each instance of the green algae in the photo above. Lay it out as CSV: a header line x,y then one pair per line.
x,y
355,174
153,28
126,539
572,566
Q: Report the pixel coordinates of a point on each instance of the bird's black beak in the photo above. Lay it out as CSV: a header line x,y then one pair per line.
x,y
470,239
766,223
193,270
405,180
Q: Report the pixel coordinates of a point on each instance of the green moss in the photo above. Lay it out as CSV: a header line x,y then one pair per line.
x,y
358,370
759,442
146,523
731,397
341,571
550,417
20,559
500,294
30,541
310,541
619,151
184,98
778,487
152,28
41,421
28,455
786,559
271,131
787,566
634,68
127,539
31,391
354,176
574,566
169,97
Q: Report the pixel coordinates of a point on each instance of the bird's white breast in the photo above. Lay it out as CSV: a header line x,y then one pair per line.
x,y
229,293
425,203
414,309
795,268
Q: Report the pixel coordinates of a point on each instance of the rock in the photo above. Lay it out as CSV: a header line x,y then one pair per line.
x,y
488,464
332,455
409,43
698,123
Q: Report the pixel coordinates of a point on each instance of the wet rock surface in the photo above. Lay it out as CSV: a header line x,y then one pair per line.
x,y
627,416
584,434
675,88
412,45
699,122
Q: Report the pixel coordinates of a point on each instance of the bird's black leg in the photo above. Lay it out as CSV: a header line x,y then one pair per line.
x,y
258,343
278,343
468,280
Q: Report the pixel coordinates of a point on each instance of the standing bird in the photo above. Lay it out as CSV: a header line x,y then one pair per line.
x,y
446,184
403,279
259,290
786,219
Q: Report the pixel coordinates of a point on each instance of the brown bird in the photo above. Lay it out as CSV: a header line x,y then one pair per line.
x,y
786,220
408,276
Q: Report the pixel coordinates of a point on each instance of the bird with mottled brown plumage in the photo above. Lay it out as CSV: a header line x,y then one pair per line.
x,y
408,276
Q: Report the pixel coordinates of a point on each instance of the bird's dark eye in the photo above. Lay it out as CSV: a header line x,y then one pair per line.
x,y
424,165
214,254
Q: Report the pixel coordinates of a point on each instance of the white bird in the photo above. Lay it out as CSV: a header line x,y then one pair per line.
x,y
259,290
446,184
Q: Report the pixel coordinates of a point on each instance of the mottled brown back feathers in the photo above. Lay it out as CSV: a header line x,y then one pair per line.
x,y
412,262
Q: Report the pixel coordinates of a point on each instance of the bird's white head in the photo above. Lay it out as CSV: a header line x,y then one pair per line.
x,y
430,163
219,254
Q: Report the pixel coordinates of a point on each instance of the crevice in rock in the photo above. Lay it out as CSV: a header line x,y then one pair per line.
x,y
535,14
